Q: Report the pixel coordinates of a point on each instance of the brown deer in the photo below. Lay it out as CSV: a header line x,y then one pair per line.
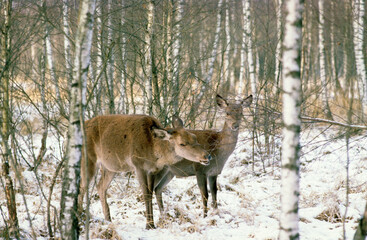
x,y
120,143
220,145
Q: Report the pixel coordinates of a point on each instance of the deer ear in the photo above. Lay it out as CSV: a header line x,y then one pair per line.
x,y
221,101
161,134
247,101
177,122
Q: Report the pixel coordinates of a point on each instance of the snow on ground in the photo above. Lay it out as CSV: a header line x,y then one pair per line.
x,y
249,201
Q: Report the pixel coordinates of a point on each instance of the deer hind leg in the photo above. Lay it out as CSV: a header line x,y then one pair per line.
x,y
160,181
86,176
213,190
202,182
146,181
103,184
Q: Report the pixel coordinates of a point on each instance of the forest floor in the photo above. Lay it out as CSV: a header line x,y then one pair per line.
x,y
248,196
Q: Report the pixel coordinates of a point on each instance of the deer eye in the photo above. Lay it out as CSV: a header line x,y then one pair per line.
x,y
183,144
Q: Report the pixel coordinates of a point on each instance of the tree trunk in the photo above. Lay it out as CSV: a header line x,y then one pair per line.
x,y
291,120
123,66
147,57
358,26
110,61
67,46
176,54
6,156
212,59
324,85
278,56
249,47
226,50
71,178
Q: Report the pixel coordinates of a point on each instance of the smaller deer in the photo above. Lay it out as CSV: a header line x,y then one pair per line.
x,y
118,143
220,145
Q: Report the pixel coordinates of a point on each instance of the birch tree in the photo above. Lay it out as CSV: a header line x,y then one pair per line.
x,y
50,57
249,47
6,156
212,59
71,178
324,85
358,26
67,45
278,56
176,53
291,120
123,65
226,49
147,58
110,60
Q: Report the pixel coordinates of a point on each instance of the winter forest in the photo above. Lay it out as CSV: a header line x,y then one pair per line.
x,y
183,119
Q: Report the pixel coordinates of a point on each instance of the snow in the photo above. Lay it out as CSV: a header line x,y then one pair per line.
x,y
249,201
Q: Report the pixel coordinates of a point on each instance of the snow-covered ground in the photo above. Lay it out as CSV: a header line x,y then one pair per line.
x,y
249,201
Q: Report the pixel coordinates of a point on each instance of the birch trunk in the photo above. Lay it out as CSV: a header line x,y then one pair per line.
x,y
67,46
334,73
358,26
226,49
123,62
12,221
99,61
71,178
291,120
324,85
147,63
110,60
241,83
249,47
278,56
50,59
176,54
212,59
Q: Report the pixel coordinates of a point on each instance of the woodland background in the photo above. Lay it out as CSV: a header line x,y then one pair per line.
x,y
166,58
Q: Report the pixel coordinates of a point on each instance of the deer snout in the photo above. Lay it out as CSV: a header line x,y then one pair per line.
x,y
207,159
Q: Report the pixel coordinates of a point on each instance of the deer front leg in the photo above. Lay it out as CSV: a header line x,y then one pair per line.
x,y
213,190
102,186
160,181
202,182
146,181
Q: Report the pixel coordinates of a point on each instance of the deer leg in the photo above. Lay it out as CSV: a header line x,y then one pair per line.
x,y
213,190
146,181
102,186
86,176
160,181
202,182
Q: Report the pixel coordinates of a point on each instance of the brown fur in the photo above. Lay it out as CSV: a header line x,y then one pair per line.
x,y
220,145
120,143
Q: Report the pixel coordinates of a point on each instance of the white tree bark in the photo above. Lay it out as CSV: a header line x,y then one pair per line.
x,y
110,60
67,46
249,47
99,62
212,58
147,63
324,94
291,119
226,63
176,50
278,56
358,26
241,83
71,179
123,59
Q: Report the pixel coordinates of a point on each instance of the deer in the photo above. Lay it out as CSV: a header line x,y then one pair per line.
x,y
219,144
124,143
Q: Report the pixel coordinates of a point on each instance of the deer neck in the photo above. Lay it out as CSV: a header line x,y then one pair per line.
x,y
165,154
228,138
